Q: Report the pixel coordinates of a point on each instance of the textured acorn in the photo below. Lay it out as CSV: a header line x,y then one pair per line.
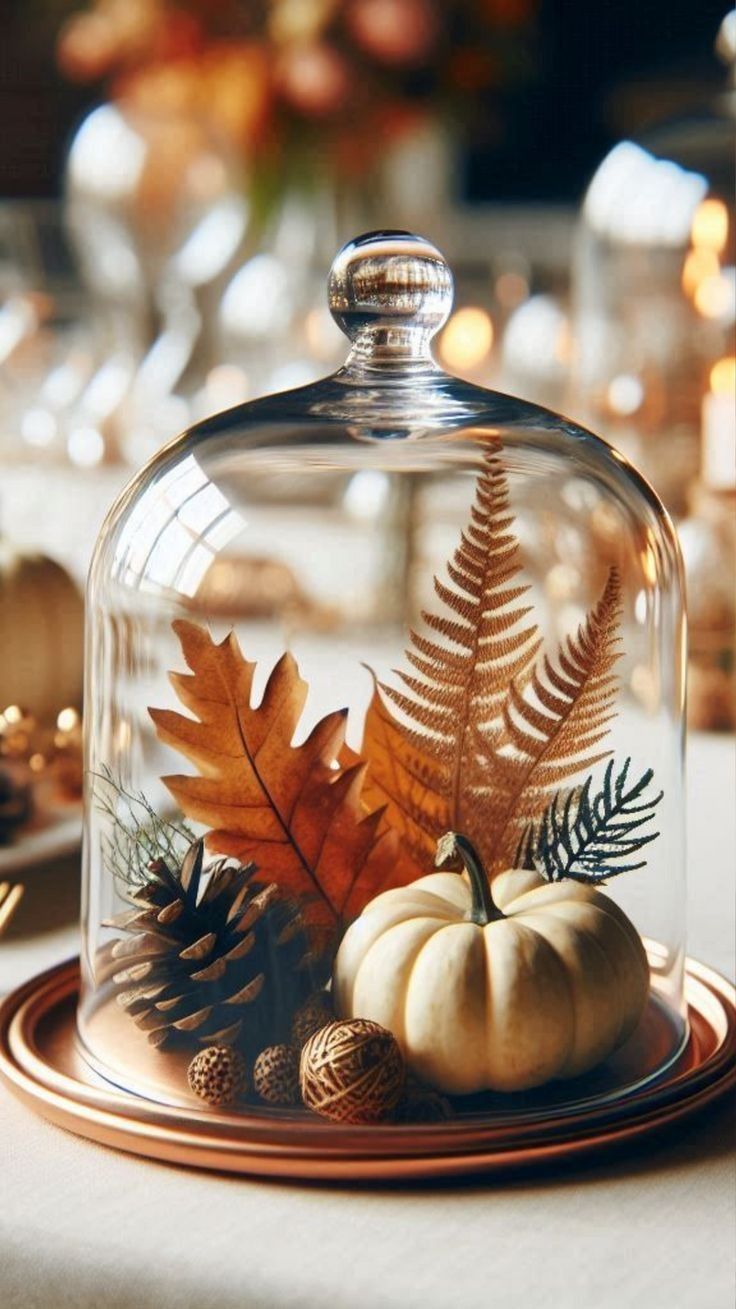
x,y
316,1012
352,1072
218,1074
276,1075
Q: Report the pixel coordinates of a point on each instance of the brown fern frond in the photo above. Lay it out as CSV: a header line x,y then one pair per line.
x,y
551,728
428,762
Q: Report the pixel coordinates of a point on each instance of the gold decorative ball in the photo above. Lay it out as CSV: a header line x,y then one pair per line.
x,y
352,1072
276,1075
313,1014
218,1074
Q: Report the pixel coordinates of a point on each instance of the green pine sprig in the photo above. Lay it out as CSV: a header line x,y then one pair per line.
x,y
137,834
592,837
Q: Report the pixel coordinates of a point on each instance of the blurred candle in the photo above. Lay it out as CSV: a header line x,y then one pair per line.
x,y
710,226
714,296
719,426
698,267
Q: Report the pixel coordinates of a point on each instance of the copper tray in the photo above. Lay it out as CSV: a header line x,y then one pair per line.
x,y
40,1061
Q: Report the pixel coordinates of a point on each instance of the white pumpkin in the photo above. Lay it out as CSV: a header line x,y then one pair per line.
x,y
500,992
41,634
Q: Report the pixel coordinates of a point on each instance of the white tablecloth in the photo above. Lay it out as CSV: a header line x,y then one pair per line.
x,y
82,1226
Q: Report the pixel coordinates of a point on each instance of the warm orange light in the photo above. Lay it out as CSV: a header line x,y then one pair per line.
x,y
67,720
710,226
698,265
467,339
714,297
723,376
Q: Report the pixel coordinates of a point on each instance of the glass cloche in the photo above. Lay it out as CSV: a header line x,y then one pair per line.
x,y
654,288
384,705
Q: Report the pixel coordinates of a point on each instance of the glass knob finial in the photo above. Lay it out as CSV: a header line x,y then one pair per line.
x,y
390,292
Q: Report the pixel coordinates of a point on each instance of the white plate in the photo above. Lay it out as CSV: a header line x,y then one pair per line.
x,y
58,834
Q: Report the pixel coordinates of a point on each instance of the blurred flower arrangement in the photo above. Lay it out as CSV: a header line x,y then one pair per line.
x,y
303,88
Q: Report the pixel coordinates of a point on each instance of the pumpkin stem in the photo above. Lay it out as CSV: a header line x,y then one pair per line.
x,y
484,909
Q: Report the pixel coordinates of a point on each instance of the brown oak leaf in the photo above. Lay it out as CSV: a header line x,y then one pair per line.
x,y
295,811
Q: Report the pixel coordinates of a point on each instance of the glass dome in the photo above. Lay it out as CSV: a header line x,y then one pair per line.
x,y
327,628
655,288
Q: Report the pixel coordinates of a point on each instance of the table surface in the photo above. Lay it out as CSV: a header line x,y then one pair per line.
x,y
82,1226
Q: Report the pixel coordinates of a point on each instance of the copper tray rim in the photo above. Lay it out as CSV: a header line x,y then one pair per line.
x,y
267,1146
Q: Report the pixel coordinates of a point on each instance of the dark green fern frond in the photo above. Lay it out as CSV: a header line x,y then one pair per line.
x,y
592,837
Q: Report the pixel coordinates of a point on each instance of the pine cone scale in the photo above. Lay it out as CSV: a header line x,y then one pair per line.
x,y
225,1036
242,949
136,973
170,913
212,973
193,1021
143,945
199,949
135,1002
248,992
172,1002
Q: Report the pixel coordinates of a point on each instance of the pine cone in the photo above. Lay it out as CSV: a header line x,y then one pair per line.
x,y
276,1075
218,1074
213,958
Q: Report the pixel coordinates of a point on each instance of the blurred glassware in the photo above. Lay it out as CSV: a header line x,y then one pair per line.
x,y
157,215
655,288
537,351
269,336
47,349
272,337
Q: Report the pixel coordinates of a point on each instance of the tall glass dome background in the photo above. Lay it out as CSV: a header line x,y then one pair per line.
x,y
315,522
654,287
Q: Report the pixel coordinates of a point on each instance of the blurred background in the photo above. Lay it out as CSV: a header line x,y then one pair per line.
x,y
176,176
